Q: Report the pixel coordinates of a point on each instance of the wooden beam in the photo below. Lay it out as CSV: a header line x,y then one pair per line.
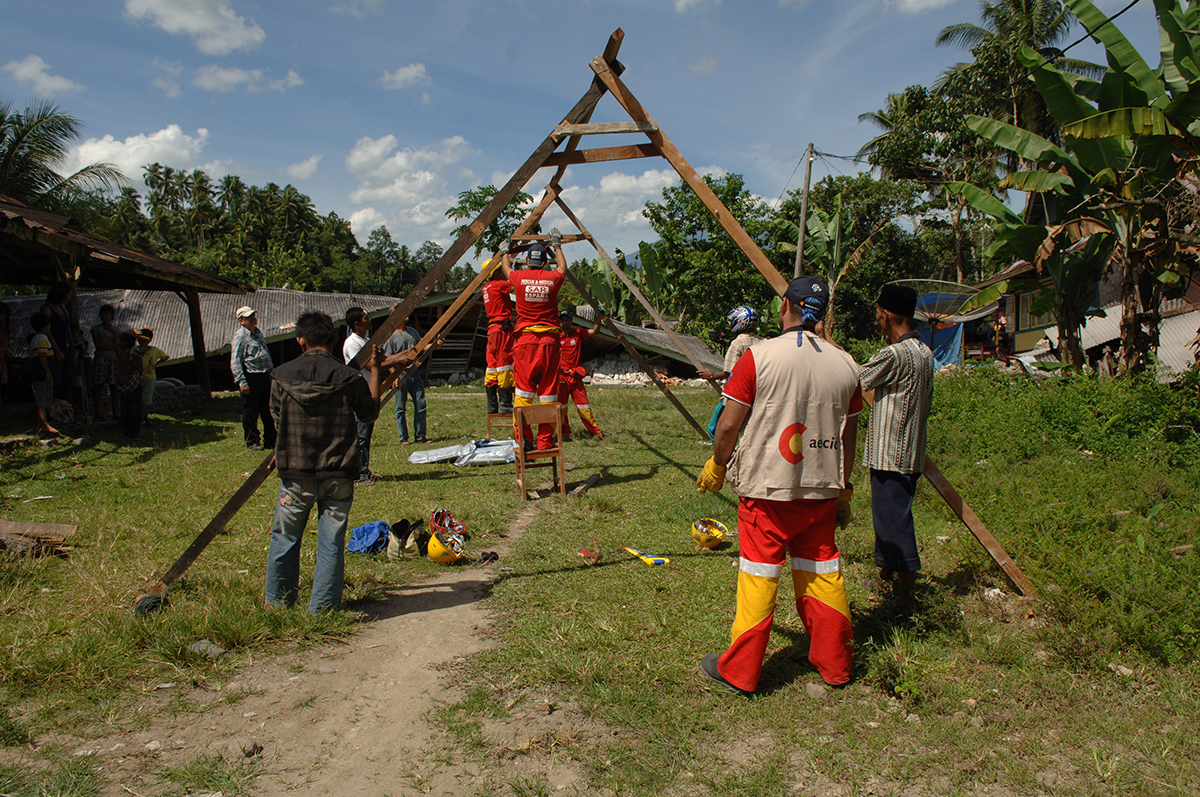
x,y
604,128
582,109
637,293
196,323
603,155
967,515
580,112
609,56
566,239
669,151
637,357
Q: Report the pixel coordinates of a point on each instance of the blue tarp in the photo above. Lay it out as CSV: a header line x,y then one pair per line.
x,y
946,343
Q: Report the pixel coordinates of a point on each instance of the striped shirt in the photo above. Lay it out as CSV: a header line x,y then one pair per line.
x,y
248,354
902,377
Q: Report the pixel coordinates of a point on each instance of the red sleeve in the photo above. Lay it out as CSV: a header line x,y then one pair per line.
x,y
856,402
743,381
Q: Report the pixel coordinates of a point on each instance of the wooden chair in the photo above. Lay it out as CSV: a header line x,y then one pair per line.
x,y
534,415
502,419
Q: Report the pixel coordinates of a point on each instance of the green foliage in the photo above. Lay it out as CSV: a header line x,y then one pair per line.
x,y
209,774
709,273
472,202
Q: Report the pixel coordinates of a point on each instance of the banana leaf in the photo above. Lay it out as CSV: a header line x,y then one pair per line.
x,y
1036,181
1123,122
1121,53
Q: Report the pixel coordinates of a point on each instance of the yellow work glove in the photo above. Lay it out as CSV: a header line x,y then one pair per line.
x,y
712,477
843,506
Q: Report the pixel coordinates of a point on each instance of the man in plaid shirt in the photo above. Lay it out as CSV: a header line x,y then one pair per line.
x,y
315,400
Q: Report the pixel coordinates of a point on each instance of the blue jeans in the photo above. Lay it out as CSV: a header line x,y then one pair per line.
x,y
296,498
365,430
415,387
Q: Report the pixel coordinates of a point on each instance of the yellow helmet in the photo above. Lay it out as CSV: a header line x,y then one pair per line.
x,y
445,548
448,540
708,533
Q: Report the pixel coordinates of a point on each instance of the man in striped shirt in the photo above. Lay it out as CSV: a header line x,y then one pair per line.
x,y
901,377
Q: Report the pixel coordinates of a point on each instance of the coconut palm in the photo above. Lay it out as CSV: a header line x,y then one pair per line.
x,y
34,145
1008,25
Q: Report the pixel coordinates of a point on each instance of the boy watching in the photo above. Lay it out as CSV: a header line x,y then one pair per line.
x,y
41,351
150,361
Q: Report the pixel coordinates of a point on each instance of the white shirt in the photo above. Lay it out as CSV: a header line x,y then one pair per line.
x,y
354,342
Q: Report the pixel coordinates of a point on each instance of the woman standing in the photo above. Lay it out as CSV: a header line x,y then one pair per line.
x,y
104,366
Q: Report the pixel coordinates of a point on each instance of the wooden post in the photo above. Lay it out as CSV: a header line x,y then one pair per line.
x,y
581,112
637,357
192,298
658,319
669,151
803,226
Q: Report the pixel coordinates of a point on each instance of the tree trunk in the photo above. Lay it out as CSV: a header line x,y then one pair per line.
x,y
958,238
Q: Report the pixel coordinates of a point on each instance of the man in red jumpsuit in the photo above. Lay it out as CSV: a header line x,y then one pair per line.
x,y
535,347
793,400
498,304
570,373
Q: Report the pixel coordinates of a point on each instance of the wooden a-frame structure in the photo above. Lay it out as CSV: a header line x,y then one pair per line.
x,y
574,126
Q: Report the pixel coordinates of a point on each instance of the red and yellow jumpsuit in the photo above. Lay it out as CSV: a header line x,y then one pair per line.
x,y
790,449
535,347
498,305
570,378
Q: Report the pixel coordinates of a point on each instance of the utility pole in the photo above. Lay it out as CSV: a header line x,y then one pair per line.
x,y
808,156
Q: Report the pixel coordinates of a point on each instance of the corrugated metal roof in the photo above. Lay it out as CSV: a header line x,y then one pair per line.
x,y
40,238
1175,352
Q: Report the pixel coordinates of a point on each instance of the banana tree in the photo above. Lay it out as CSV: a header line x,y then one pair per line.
x,y
826,248
1129,142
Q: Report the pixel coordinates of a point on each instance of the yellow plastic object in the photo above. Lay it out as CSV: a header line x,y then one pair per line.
x,y
708,533
445,548
647,558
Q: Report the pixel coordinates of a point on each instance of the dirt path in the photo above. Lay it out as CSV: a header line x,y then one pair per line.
x,y
343,719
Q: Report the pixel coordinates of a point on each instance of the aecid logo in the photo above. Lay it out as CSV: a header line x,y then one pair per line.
x,y
791,443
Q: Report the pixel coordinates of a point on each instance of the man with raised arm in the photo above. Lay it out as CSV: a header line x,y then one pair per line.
x,y
536,346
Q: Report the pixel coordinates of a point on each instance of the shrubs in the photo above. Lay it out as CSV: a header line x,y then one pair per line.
x,y
1089,483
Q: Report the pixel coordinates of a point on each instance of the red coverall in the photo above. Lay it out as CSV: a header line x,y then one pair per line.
x,y
535,349
570,379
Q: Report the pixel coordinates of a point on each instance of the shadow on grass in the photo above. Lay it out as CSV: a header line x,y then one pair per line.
x,y
428,596
690,471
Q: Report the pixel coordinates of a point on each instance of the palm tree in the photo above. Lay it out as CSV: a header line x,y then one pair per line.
x,y
34,144
1008,25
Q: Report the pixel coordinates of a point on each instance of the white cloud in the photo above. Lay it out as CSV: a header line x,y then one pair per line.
x,y
408,188
616,203
917,6
212,24
686,5
365,220
706,65
223,79
169,146
305,169
405,77
290,81
33,72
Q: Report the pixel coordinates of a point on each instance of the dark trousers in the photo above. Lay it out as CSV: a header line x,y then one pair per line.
x,y
257,404
365,430
131,413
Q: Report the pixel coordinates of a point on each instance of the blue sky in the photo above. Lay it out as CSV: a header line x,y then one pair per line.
x,y
383,111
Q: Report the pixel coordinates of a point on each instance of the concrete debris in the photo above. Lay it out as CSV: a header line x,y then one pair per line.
x,y
993,594
154,746
205,647
816,691
1121,670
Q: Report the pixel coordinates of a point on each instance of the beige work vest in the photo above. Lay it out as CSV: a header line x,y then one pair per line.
x,y
791,446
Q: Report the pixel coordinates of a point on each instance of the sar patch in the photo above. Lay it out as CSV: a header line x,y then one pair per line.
x,y
791,443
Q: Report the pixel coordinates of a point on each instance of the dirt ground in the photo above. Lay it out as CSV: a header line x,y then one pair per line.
x,y
348,718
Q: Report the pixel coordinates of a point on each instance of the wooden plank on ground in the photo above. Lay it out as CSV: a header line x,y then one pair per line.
x,y
33,531
637,293
586,484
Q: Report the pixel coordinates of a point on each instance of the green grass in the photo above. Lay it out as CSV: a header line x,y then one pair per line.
x,y
211,774
1088,485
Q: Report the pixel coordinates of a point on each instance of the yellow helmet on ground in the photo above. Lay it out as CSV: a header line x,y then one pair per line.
x,y
448,541
708,533
445,548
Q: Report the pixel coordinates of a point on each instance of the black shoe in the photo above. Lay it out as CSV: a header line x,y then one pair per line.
x,y
423,543
708,668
